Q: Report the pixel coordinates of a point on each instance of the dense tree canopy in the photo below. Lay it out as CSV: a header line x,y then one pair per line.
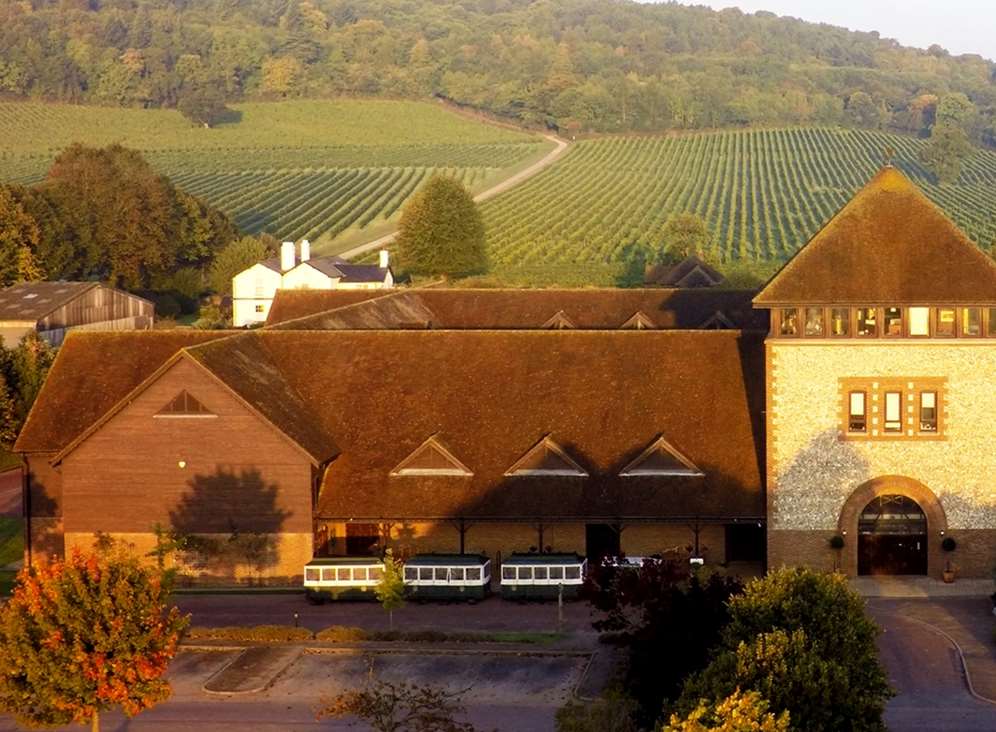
x,y
577,64
105,214
802,640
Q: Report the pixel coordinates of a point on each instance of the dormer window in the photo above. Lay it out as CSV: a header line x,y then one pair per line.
x,y
184,405
547,458
639,321
559,321
431,458
661,459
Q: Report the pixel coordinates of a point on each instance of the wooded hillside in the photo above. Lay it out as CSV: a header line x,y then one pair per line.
x,y
580,65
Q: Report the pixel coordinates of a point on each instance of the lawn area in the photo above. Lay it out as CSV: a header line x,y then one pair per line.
x,y
6,582
8,460
11,540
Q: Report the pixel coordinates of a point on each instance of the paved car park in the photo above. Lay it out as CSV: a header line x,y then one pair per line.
x,y
521,690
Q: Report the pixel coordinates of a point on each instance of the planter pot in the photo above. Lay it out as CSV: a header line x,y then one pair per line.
x,y
948,575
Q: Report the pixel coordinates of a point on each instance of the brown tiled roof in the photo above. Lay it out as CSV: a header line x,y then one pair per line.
x,y
374,396
402,309
244,363
500,309
889,244
292,304
92,373
490,396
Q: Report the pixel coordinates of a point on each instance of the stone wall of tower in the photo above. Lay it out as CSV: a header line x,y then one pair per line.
x,y
813,472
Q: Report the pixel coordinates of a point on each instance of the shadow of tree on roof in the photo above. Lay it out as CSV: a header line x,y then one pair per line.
x,y
229,521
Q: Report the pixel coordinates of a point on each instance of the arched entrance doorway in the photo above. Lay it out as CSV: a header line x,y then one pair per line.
x,y
892,536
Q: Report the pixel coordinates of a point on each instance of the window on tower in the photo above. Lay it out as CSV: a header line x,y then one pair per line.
x,y
867,322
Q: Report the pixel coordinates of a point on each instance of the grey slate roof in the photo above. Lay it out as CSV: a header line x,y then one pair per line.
x,y
34,300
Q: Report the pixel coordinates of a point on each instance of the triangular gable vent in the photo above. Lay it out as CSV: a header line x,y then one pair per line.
x,y
548,458
184,405
718,321
698,277
431,458
639,321
559,321
661,458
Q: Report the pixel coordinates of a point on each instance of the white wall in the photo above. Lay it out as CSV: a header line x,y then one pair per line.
x,y
252,288
306,277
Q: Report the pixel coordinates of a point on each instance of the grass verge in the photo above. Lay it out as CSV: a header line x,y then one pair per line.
x,y
11,540
352,634
7,582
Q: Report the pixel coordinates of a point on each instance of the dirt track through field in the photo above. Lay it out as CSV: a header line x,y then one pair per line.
x,y
491,192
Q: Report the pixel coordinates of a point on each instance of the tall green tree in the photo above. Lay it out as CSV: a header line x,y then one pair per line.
x,y
684,234
949,143
203,105
238,255
441,231
8,417
19,235
946,151
85,635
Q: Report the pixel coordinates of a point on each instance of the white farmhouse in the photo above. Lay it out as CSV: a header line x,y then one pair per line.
x,y
253,289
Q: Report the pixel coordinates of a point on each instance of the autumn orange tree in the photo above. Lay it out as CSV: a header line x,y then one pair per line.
x,y
84,635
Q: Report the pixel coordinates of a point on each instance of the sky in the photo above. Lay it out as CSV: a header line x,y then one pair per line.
x,y
961,26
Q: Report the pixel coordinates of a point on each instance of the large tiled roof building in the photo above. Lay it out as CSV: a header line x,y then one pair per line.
x,y
594,421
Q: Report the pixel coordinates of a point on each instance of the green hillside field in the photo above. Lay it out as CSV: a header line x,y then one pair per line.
x,y
335,171
595,215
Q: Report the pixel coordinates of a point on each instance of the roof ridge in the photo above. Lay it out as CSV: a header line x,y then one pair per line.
x,y
888,179
389,292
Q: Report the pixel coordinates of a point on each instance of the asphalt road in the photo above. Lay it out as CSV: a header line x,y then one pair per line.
x,y
926,672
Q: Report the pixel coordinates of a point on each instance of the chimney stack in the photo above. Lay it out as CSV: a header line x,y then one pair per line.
x,y
305,250
385,258
286,256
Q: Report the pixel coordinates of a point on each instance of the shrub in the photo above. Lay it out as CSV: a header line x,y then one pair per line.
x,y
264,633
660,611
836,541
739,712
388,707
801,639
949,544
614,712
342,634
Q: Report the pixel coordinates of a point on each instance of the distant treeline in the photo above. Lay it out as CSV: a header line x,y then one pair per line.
x,y
578,65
